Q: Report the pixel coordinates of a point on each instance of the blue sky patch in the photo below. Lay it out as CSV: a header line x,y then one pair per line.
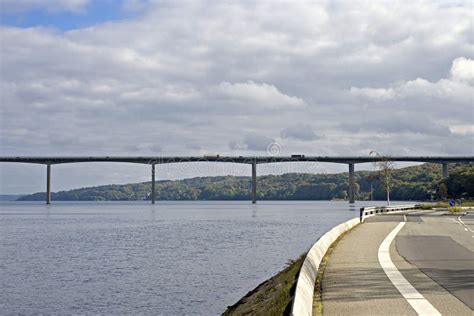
x,y
95,12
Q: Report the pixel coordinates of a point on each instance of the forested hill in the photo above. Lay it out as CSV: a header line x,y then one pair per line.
x,y
411,183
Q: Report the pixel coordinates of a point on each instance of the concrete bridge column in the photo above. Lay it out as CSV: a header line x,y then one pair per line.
x,y
153,183
445,170
254,182
48,183
351,183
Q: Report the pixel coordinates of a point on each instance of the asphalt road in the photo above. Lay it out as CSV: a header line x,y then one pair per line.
x,y
430,268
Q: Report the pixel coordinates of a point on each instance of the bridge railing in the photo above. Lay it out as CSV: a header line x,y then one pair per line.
x,y
374,210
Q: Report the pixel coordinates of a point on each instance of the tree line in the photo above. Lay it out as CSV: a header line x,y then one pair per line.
x,y
422,182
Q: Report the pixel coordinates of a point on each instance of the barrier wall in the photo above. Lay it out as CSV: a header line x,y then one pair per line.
x,y
303,301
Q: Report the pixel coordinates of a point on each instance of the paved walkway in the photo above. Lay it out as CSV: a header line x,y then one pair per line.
x,y
434,254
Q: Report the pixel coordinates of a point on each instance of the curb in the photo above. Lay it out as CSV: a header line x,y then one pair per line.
x,y
303,302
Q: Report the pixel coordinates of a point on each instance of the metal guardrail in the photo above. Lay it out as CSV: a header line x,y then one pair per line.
x,y
374,210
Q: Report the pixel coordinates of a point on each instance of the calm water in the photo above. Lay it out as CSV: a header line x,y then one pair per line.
x,y
135,258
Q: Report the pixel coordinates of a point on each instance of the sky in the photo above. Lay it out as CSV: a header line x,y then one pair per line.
x,y
143,77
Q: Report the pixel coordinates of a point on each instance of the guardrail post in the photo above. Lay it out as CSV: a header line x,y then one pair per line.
x,y
48,183
152,183
254,182
351,183
445,170
361,215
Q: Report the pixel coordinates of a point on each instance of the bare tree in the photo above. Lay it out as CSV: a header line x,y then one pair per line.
x,y
385,169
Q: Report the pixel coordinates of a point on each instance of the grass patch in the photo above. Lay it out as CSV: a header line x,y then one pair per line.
x,y
430,206
272,297
455,209
468,203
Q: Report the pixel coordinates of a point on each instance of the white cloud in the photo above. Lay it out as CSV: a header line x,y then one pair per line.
x,y
228,77
463,130
373,93
455,89
463,70
442,89
254,94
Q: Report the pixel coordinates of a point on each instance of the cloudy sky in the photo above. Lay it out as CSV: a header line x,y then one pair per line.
x,y
139,77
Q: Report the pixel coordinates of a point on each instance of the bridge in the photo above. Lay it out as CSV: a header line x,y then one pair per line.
x,y
150,160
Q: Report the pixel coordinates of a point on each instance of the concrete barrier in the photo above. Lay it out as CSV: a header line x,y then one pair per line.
x,y
303,301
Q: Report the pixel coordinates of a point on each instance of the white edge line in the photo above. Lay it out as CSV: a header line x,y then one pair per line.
x,y
466,227
421,305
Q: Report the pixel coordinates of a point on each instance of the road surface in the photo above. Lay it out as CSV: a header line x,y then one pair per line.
x,y
415,263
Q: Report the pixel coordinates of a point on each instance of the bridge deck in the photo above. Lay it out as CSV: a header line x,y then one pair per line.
x,y
233,159
433,252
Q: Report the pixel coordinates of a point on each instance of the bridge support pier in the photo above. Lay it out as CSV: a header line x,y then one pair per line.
x,y
254,182
351,183
48,183
153,184
445,170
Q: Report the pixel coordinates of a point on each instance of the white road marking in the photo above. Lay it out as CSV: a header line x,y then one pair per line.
x,y
457,222
421,305
454,221
466,228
